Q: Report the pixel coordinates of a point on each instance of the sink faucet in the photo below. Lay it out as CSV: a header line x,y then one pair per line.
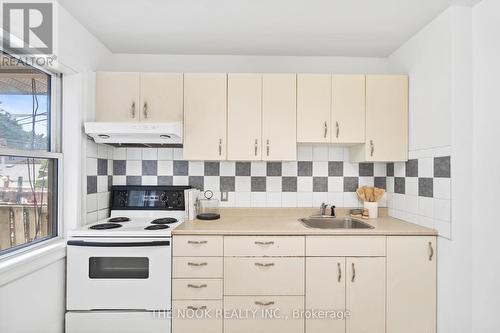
x,y
322,208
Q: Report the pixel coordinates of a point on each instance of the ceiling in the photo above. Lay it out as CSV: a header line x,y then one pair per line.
x,y
256,27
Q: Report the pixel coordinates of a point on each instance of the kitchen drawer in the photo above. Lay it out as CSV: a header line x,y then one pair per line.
x,y
345,246
264,276
197,246
264,246
196,289
283,306
197,267
196,316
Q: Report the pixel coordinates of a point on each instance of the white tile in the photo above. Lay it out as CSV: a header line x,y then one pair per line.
x,y
411,186
102,183
320,169
258,199
304,199
351,169
347,154
426,207
91,148
103,214
443,228
91,166
273,184
412,218
134,168
366,181
243,199
335,154
390,184
258,169
227,168
320,153
110,167
400,202
442,188
399,169
165,154
425,221
304,153
91,217
212,183
380,169
304,184
412,204
273,199
111,152
351,200
91,202
150,153
442,210
289,199
134,154
149,180
289,169
102,151
383,201
335,184
390,200
165,168
231,200
242,184
319,198
102,200
120,153
119,180
426,167
181,180
178,154
196,168
336,199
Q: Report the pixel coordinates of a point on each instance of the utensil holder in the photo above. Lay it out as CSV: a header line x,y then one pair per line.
x,y
372,209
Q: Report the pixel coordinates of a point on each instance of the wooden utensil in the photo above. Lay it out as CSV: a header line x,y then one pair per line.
x,y
379,193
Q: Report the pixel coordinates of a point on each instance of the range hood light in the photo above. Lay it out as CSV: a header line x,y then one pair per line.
x,y
103,136
165,136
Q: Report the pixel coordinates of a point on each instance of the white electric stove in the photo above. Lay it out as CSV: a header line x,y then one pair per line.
x,y
119,269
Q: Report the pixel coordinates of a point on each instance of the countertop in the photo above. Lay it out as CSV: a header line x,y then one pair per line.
x,y
284,221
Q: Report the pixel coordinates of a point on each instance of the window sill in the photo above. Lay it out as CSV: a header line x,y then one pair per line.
x,y
28,260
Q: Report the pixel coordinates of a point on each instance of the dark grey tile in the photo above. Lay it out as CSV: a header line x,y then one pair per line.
x,y
442,167
336,169
258,184
102,167
273,169
381,182
390,169
412,168
119,168
366,169
426,187
289,184
181,168
227,183
212,168
399,185
165,180
91,184
149,168
243,168
320,184
134,180
351,184
305,168
197,182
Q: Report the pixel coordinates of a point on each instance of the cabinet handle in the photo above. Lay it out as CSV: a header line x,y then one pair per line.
x,y
264,243
197,286
197,242
264,303
267,147
339,272
259,264
220,147
132,109
197,308
431,251
325,130
256,146
197,264
337,129
145,110
353,273
372,148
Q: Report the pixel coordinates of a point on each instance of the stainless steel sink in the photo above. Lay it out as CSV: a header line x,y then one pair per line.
x,y
334,223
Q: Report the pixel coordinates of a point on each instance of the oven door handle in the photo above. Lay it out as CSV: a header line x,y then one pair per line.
x,y
118,244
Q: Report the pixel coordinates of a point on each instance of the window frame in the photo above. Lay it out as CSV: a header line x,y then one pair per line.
x,y
54,130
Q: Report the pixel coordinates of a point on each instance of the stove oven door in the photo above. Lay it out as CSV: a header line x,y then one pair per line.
x,y
115,274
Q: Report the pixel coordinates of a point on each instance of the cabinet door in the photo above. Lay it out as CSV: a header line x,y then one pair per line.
x,y
161,97
348,109
411,284
190,316
244,117
205,116
386,118
279,124
314,96
365,295
117,96
325,290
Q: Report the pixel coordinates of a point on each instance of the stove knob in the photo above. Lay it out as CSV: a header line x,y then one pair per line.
x,y
164,197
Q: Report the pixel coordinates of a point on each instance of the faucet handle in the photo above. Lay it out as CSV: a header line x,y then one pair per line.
x,y
332,211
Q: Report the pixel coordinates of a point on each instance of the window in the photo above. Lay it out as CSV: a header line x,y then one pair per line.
x,y
29,156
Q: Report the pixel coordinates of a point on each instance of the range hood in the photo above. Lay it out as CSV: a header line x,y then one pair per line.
x,y
136,134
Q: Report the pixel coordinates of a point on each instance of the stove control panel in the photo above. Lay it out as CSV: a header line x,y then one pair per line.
x,y
148,197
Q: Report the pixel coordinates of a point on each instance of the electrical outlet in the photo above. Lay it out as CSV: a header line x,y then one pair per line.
x,y
224,196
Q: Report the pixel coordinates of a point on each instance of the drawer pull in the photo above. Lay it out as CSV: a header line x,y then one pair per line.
x,y
264,243
259,264
197,286
264,303
197,264
339,274
197,308
197,242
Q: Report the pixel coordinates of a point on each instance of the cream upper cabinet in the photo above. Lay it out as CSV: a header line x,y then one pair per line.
x,y
117,97
244,117
279,121
205,116
365,295
386,120
411,284
314,96
348,109
161,97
